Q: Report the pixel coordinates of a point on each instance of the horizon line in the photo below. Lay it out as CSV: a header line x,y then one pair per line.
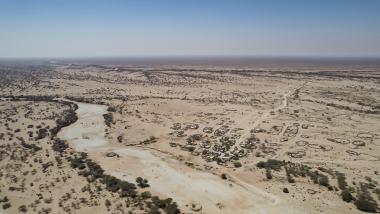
x,y
192,56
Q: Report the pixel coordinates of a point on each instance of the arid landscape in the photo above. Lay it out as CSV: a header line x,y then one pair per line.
x,y
155,138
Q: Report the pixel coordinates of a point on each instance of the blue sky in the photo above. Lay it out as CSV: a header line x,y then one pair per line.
x,y
69,28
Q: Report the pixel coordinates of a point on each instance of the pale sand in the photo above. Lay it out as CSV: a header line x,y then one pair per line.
x,y
88,131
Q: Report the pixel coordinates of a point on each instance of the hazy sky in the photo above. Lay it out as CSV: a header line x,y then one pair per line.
x,y
55,28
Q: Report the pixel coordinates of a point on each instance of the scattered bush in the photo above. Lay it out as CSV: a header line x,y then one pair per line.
x,y
172,208
6,206
31,146
346,196
146,194
5,199
237,164
127,189
59,145
112,183
342,183
268,174
223,176
291,179
41,134
365,202
323,181
77,163
107,203
143,183
120,139
168,205
108,119
22,209
111,109
271,164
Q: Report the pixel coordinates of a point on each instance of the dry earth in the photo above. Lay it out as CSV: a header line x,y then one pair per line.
x,y
215,140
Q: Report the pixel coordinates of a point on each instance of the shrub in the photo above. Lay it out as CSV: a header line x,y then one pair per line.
x,y
107,203
77,162
112,183
346,196
120,139
268,174
271,163
146,194
237,164
142,182
261,164
111,109
127,189
285,190
168,205
323,181
342,183
31,146
59,145
172,208
41,133
291,179
5,199
365,202
22,209
158,202
314,176
95,169
223,176
108,119
6,206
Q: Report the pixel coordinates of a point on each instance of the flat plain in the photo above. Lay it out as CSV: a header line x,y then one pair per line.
x,y
84,138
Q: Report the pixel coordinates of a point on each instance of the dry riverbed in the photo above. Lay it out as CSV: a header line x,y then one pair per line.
x,y
223,139
167,177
